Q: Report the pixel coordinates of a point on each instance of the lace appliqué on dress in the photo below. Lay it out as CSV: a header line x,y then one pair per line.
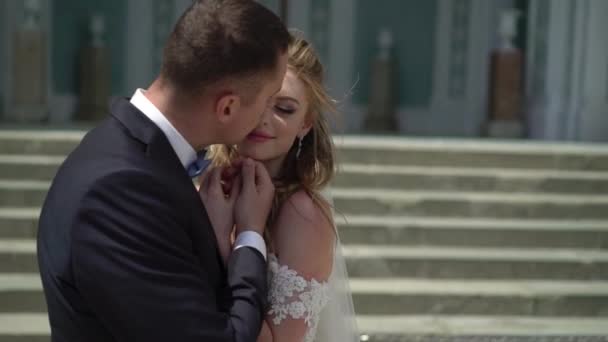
x,y
292,296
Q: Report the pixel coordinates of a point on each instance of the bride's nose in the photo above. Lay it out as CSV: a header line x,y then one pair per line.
x,y
266,116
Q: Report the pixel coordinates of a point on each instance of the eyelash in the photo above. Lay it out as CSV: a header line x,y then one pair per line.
x,y
284,110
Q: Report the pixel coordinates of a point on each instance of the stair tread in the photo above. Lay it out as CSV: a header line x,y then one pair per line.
x,y
522,288
482,325
472,223
476,253
20,212
20,282
414,196
25,246
37,324
469,145
41,134
20,184
448,171
24,324
31,159
415,252
409,286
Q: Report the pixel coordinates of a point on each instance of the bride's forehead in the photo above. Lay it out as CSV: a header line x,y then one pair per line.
x,y
292,85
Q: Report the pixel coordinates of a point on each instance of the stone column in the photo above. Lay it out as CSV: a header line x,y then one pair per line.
x,y
506,86
567,70
381,112
29,72
95,74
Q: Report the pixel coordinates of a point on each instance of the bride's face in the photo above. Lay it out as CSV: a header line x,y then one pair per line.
x,y
285,119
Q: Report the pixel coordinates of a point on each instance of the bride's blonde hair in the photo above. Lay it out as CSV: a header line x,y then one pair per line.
x,y
314,168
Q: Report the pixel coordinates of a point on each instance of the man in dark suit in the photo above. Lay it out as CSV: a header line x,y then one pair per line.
x,y
126,248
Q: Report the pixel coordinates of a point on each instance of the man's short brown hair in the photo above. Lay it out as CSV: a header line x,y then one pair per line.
x,y
219,39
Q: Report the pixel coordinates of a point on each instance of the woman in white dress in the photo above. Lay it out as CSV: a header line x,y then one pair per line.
x,y
309,298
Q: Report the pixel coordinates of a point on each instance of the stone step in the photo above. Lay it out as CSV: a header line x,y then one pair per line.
x,y
19,223
469,204
16,327
29,167
452,328
24,327
382,150
470,179
41,142
18,256
471,153
41,167
467,297
21,292
404,203
428,231
366,261
22,223
15,193
383,261
22,193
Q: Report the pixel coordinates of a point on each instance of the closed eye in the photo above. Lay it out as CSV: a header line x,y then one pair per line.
x,y
285,110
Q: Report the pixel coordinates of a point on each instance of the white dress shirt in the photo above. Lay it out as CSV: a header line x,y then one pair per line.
x,y
186,154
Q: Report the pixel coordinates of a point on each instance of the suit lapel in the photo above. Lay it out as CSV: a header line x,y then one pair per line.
x,y
161,153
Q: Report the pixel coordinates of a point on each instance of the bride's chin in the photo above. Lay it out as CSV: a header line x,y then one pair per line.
x,y
253,154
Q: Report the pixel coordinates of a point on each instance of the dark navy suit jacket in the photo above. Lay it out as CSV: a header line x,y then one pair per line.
x,y
127,252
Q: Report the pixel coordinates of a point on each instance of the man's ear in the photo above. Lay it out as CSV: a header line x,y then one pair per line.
x,y
226,107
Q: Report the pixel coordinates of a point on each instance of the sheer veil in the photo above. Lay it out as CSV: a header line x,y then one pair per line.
x,y
337,321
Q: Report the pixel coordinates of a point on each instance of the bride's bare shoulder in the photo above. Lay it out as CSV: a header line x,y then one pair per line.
x,y
304,236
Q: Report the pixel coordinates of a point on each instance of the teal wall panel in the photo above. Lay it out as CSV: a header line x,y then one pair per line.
x,y
3,48
70,33
413,25
272,4
164,20
319,19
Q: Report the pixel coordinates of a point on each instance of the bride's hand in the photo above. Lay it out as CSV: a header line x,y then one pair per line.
x,y
220,207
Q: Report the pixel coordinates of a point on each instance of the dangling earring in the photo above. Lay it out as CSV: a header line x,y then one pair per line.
x,y
299,148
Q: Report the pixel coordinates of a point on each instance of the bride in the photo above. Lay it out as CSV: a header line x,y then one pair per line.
x,y
309,298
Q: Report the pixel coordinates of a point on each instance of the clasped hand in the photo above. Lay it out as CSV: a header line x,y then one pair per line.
x,y
237,198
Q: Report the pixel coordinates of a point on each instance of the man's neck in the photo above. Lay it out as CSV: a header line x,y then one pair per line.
x,y
180,114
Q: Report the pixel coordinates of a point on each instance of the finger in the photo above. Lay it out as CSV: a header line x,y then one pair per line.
x,y
226,188
204,180
261,175
227,185
237,162
236,188
230,172
248,175
215,185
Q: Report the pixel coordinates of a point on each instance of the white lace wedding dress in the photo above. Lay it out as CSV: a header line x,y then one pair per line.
x,y
325,306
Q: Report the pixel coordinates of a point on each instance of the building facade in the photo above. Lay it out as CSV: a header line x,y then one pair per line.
x,y
441,51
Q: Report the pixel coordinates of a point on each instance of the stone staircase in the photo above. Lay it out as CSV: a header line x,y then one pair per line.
x,y
444,239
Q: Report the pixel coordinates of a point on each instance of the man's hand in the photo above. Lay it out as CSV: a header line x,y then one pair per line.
x,y
255,198
230,173
220,207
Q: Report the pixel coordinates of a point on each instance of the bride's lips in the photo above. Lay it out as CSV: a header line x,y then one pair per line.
x,y
259,137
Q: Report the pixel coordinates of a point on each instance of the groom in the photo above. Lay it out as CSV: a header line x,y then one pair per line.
x,y
126,249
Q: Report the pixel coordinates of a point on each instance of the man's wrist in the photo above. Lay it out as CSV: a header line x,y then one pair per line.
x,y
250,238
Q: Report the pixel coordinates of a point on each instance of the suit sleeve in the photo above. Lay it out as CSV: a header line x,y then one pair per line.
x,y
134,265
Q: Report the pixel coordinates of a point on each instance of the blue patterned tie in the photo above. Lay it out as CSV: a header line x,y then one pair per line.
x,y
198,165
